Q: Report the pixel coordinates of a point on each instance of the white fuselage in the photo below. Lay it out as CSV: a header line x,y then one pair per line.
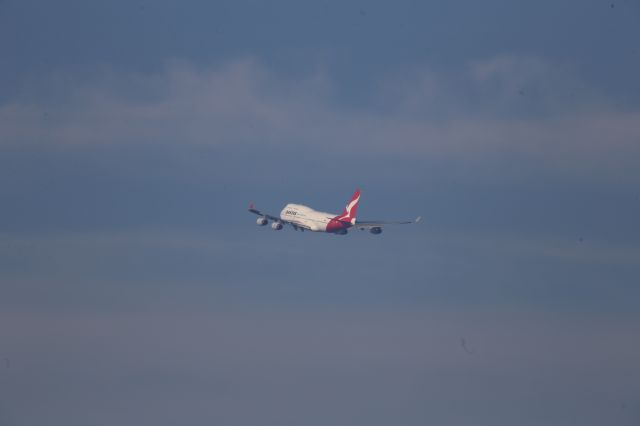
x,y
306,217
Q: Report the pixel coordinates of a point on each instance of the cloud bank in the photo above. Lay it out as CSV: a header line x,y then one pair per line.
x,y
506,112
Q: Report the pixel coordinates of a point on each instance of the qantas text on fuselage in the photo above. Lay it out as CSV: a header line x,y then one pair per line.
x,y
302,218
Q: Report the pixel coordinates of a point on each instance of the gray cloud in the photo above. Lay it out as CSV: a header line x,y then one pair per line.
x,y
136,289
243,104
393,366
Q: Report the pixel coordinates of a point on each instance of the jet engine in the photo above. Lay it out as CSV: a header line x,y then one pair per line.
x,y
276,226
376,230
262,221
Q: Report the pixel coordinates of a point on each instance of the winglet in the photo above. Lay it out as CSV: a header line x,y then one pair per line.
x,y
252,209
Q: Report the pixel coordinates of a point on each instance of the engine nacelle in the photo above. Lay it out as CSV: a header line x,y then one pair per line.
x,y
276,226
376,230
262,221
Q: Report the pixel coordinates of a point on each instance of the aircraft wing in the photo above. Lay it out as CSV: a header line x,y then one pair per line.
x,y
364,224
252,209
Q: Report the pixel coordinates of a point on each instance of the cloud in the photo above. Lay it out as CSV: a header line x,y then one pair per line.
x,y
478,118
370,366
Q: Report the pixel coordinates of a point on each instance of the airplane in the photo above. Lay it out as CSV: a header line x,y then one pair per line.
x,y
303,218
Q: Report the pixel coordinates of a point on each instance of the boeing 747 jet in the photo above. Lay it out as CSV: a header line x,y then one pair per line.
x,y
305,218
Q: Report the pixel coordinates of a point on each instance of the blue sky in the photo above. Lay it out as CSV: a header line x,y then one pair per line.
x,y
136,289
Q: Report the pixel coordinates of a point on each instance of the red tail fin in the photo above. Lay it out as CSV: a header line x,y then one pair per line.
x,y
351,209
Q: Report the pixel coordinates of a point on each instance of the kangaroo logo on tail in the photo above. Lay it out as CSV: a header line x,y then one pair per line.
x,y
351,209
